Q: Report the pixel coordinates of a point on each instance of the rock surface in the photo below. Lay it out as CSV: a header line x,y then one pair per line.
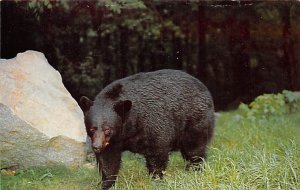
x,y
40,122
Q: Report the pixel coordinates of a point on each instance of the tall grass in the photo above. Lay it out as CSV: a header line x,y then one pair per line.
x,y
243,155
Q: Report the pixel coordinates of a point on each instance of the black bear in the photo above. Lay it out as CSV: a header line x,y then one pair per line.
x,y
151,114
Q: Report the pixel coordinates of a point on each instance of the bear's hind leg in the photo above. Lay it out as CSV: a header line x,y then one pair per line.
x,y
194,156
194,144
156,164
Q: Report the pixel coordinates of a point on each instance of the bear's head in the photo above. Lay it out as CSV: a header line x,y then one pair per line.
x,y
104,120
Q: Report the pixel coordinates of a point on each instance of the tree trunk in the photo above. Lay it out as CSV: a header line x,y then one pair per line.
x,y
288,49
107,60
123,70
202,27
153,56
142,54
188,53
239,41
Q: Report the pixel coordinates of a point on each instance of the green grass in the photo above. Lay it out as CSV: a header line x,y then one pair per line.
x,y
243,155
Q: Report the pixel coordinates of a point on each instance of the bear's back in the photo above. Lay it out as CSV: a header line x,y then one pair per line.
x,y
164,93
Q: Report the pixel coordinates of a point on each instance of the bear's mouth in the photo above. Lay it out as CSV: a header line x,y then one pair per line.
x,y
97,150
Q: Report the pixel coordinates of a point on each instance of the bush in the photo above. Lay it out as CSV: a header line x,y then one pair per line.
x,y
270,105
292,101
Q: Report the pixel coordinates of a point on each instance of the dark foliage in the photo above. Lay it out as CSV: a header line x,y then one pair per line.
x,y
239,49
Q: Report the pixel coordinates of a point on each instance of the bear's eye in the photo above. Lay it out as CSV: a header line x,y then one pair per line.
x,y
106,132
93,129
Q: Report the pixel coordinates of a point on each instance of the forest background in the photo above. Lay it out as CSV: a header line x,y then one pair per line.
x,y
239,49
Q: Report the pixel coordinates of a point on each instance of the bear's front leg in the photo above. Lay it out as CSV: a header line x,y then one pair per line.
x,y
110,161
157,163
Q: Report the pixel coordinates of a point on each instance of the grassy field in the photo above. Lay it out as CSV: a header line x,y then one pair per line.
x,y
243,155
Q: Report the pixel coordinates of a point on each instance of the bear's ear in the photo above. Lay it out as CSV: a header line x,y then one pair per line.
x,y
122,108
85,103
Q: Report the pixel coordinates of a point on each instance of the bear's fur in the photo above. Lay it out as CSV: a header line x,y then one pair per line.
x,y
151,114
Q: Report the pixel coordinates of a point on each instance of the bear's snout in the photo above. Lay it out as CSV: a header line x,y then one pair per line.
x,y
99,141
96,147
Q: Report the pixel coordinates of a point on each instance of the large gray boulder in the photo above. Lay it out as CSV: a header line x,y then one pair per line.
x,y
40,122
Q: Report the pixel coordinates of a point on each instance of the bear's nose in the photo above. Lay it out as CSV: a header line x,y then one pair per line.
x,y
96,146
97,150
